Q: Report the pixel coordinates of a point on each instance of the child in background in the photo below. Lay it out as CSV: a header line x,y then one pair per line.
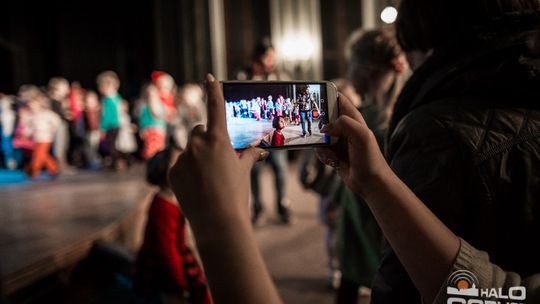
x,y
167,91
166,269
126,143
7,125
43,126
92,134
108,84
274,138
152,122
58,91
296,114
191,111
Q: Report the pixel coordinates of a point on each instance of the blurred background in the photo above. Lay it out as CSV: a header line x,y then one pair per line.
x,y
186,38
75,234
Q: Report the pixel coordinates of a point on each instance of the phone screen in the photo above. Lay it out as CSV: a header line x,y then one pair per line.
x,y
276,115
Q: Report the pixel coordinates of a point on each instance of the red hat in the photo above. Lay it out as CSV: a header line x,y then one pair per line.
x,y
156,75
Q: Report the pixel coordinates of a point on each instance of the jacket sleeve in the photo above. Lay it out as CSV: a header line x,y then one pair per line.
x,y
426,156
490,275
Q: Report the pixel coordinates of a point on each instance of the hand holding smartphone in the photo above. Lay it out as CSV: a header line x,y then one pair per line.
x,y
279,114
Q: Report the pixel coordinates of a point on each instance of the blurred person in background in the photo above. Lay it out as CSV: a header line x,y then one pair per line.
x,y
166,88
92,133
22,141
7,126
377,72
76,155
43,125
166,269
108,84
264,67
58,91
126,142
191,111
152,123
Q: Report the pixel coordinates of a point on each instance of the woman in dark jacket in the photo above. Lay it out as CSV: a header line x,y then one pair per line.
x,y
465,133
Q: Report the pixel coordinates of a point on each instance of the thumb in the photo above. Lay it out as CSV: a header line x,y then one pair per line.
x,y
252,155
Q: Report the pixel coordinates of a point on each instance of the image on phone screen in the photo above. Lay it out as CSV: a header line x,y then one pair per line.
x,y
276,115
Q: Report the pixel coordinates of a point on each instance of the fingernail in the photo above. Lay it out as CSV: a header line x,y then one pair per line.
x,y
263,155
210,78
326,128
332,163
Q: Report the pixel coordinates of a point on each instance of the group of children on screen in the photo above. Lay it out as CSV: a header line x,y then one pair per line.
x,y
265,108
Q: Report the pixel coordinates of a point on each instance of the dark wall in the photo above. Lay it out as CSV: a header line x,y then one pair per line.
x,y
246,21
79,39
339,19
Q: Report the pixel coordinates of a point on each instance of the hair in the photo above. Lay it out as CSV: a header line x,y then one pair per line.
x,y
372,55
261,47
107,76
55,81
426,24
275,122
31,93
157,168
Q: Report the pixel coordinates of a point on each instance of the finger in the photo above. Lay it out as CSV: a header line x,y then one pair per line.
x,y
252,155
346,126
198,131
328,157
217,124
347,108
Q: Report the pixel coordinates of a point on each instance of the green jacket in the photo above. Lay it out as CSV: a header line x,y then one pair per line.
x,y
110,114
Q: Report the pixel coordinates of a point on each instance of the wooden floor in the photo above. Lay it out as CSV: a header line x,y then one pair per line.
x,y
49,225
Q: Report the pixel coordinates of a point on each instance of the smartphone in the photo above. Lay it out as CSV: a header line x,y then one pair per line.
x,y
279,114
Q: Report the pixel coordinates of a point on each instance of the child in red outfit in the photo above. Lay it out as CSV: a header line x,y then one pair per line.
x,y
166,269
275,138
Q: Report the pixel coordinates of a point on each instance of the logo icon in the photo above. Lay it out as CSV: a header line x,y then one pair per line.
x,y
462,283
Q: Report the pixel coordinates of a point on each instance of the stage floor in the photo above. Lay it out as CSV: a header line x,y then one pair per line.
x,y
244,131
47,224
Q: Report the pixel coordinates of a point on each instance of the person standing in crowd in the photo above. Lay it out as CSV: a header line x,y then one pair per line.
x,y
152,123
92,137
324,181
43,125
58,91
7,125
306,105
166,269
191,111
167,92
126,143
76,155
377,71
264,67
108,84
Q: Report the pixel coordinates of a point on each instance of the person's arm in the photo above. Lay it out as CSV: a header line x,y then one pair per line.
x,y
425,246
212,185
490,275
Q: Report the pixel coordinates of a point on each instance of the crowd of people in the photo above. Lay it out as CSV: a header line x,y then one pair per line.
x,y
65,127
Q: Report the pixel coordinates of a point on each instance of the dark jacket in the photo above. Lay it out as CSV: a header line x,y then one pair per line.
x,y
465,137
